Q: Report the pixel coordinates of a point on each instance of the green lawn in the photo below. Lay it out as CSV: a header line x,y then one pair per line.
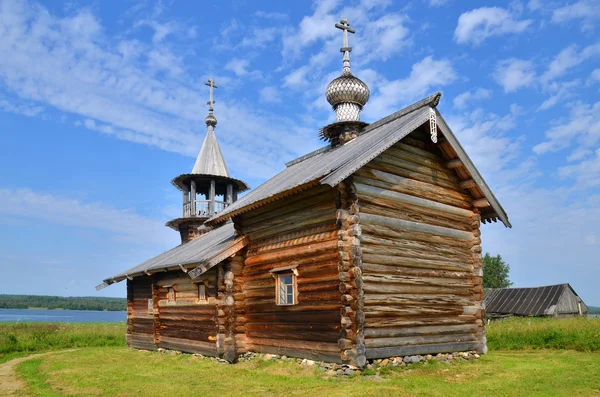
x,y
117,371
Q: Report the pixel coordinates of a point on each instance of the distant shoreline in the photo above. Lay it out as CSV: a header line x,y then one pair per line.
x,y
48,302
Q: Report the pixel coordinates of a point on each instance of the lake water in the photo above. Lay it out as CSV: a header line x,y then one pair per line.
x,y
60,316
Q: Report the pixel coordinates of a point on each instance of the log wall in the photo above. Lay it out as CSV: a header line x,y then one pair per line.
x,y
298,231
187,324
140,323
421,255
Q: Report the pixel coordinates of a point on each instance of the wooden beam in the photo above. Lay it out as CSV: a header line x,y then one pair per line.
x,y
467,183
454,163
479,203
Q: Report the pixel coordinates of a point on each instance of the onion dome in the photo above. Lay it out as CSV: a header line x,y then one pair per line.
x,y
347,94
210,120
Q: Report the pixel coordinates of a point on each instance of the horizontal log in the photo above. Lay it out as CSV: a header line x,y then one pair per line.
x,y
292,220
383,194
304,327
408,311
307,221
301,251
413,213
295,335
414,248
383,166
418,340
481,203
388,322
332,357
411,235
312,194
422,349
386,180
398,224
443,174
454,163
295,344
273,308
411,289
416,257
288,212
466,184
434,299
389,279
423,330
390,260
184,345
314,317
320,236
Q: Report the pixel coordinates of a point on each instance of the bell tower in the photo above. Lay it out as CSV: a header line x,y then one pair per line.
x,y
209,188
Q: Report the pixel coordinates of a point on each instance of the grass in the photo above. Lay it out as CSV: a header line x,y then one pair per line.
x,y
580,334
18,339
126,372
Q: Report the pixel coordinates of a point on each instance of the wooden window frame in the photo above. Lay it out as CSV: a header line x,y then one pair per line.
x,y
172,299
201,286
150,306
282,272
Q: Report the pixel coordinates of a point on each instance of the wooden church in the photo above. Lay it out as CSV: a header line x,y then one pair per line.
x,y
366,248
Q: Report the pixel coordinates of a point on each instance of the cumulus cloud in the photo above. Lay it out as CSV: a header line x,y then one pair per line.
x,y
582,126
425,76
513,74
569,58
270,94
29,204
586,11
462,100
475,26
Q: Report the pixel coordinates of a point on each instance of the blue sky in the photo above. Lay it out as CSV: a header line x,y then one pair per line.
x,y
102,103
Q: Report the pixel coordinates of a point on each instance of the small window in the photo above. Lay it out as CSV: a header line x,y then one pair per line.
x,y
286,289
201,292
171,295
150,306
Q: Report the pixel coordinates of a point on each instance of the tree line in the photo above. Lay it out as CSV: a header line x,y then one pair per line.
x,y
61,302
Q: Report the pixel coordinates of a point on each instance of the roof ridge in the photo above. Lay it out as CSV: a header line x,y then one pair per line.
x,y
308,155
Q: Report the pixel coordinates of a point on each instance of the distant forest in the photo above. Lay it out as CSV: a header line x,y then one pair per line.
x,y
594,310
60,302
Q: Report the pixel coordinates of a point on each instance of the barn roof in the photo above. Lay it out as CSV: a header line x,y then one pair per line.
x,y
536,301
331,165
205,251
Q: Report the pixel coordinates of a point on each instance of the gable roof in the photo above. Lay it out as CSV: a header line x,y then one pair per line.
x,y
536,301
332,165
205,251
210,159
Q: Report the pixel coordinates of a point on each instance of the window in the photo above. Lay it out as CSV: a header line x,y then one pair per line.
x,y
286,289
171,295
150,306
201,292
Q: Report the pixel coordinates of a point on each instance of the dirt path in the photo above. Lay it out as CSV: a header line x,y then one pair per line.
x,y
10,384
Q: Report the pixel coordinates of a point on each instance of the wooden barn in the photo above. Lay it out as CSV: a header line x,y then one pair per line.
x,y
366,248
549,301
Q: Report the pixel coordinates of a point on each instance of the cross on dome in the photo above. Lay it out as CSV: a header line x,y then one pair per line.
x,y
345,26
211,120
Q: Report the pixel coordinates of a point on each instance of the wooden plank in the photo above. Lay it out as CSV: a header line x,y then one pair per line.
x,y
423,349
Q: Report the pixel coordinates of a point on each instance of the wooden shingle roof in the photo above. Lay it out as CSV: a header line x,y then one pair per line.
x,y
331,165
536,301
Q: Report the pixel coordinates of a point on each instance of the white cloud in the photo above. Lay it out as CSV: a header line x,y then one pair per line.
x,y
569,58
588,11
582,126
24,203
595,75
462,100
24,108
477,25
560,92
437,3
513,74
120,88
277,16
297,78
586,173
427,75
270,94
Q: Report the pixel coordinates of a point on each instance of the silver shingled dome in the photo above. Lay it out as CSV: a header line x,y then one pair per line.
x,y
347,89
